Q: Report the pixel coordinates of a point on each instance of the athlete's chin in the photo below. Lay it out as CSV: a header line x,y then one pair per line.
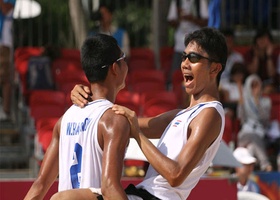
x,y
189,92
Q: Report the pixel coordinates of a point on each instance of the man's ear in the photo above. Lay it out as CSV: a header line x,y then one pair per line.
x,y
215,68
114,68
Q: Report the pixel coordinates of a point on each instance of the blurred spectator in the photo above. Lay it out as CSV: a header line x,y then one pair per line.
x,y
278,71
185,16
254,113
232,88
245,172
262,60
6,55
106,26
214,10
233,56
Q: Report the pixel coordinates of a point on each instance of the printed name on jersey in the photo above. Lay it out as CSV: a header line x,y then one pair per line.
x,y
75,128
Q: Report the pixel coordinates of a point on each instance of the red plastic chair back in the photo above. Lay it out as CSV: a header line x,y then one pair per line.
x,y
275,106
159,104
141,58
46,123
68,78
166,56
177,87
46,103
44,138
129,99
70,54
148,75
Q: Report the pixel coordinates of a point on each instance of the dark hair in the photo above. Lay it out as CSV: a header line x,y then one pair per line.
x,y
97,15
261,33
238,68
97,51
212,41
227,32
109,7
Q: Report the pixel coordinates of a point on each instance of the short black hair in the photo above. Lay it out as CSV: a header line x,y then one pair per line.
x,y
262,32
109,7
227,32
98,51
212,41
238,68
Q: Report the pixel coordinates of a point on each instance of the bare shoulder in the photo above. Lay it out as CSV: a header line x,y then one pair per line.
x,y
112,121
208,115
111,118
206,126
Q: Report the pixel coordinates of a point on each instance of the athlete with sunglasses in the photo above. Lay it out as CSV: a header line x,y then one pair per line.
x,y
189,138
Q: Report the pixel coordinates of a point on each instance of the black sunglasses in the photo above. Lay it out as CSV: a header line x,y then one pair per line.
x,y
195,57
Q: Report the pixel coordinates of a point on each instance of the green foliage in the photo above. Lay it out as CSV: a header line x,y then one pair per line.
x,y
136,20
51,27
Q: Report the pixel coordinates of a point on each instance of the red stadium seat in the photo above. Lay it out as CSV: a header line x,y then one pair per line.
x,y
166,55
144,87
44,138
129,99
141,58
146,80
44,128
177,80
46,103
70,54
66,79
21,58
275,106
46,123
159,104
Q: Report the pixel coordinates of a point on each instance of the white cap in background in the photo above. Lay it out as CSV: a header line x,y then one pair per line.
x,y
243,156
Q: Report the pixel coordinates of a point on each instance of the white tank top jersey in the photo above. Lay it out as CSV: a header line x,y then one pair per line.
x,y
171,143
80,156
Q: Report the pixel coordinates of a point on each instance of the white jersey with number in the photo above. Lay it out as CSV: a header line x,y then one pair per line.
x,y
171,143
80,156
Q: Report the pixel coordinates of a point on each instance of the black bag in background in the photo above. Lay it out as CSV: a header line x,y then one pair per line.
x,y
39,73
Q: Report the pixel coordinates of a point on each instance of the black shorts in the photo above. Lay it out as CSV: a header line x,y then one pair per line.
x,y
131,189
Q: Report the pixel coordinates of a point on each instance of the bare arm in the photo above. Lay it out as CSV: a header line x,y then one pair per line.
x,y
153,127
201,136
271,69
115,130
80,95
49,169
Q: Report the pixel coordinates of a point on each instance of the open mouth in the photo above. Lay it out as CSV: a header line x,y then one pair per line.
x,y
188,78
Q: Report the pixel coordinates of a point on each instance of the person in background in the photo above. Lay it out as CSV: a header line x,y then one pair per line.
x,y
231,89
253,111
262,60
6,56
278,71
233,56
106,26
88,145
245,172
214,10
185,16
